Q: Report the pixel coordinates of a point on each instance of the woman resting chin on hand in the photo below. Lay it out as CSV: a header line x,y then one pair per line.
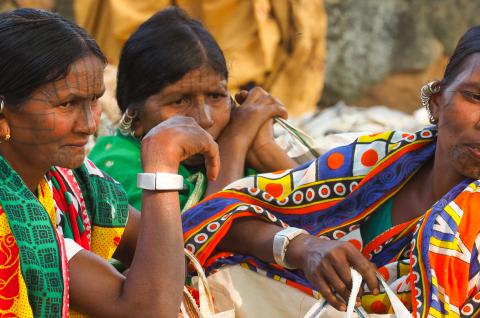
x,y
191,77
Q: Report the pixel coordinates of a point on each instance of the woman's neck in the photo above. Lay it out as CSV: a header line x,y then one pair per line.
x,y
443,177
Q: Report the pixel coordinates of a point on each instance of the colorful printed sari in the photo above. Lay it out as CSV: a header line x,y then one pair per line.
x,y
82,204
431,262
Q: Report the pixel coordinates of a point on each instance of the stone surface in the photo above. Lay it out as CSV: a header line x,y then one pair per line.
x,y
401,90
370,40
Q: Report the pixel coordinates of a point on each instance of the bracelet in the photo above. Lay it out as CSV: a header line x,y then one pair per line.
x,y
280,244
160,181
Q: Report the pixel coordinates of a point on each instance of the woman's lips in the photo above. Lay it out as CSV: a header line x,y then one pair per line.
x,y
474,150
78,144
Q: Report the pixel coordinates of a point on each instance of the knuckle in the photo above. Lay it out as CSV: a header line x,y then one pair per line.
x,y
323,265
257,90
364,267
341,288
331,256
326,292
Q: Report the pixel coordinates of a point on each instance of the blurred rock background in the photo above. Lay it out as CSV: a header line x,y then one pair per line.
x,y
380,52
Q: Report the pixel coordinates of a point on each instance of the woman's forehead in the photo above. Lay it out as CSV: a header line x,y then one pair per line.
x,y
200,78
84,78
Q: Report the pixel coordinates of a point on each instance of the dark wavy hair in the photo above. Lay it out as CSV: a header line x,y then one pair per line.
x,y
161,51
38,47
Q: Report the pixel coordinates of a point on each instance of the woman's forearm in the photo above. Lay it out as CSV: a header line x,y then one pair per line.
x,y
270,157
251,236
158,264
232,164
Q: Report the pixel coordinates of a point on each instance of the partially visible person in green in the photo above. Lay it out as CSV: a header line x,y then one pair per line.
x,y
172,66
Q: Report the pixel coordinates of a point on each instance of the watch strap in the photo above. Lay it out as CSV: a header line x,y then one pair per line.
x,y
280,244
160,181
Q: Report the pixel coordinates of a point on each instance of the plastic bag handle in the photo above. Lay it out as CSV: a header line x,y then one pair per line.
x,y
317,310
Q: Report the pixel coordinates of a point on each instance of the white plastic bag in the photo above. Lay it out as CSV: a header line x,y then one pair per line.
x,y
321,308
207,309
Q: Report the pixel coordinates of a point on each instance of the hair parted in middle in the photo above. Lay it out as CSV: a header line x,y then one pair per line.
x,y
162,50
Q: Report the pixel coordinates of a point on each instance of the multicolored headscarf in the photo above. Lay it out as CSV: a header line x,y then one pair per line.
x,y
82,204
431,262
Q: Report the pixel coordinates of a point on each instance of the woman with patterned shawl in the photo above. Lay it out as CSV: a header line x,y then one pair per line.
x,y
404,204
60,217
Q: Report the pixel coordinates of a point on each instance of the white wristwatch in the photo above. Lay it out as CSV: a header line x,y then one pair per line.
x,y
280,244
160,181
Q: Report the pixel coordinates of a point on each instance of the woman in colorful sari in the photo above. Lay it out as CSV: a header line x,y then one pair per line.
x,y
61,218
173,66
404,204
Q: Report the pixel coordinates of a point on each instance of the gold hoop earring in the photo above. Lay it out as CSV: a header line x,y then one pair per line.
x,y
426,93
7,136
125,124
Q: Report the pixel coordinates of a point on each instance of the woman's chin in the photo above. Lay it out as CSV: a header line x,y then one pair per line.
x,y
193,161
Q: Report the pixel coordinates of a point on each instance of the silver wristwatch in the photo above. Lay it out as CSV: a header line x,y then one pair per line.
x,y
280,244
160,181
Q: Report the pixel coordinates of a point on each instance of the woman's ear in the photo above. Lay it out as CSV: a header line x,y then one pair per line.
x,y
435,105
137,128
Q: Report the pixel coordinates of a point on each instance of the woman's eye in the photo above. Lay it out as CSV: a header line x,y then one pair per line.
x,y
473,96
216,96
181,101
65,105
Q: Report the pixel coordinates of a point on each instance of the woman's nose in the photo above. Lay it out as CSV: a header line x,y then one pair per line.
x,y
88,118
204,116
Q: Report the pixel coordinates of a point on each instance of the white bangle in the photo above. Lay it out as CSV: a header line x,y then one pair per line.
x,y
280,244
160,181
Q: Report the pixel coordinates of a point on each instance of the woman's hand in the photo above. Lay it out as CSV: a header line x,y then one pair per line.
x,y
326,265
256,108
264,154
175,140
264,134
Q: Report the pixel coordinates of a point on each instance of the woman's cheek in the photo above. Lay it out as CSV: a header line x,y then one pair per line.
x,y
97,114
220,124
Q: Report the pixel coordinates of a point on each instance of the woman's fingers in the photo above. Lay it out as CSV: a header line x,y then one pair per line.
x,y
337,282
185,139
268,104
328,293
212,160
365,268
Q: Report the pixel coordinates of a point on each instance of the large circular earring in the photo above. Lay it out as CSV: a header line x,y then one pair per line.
x,y
426,93
125,124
